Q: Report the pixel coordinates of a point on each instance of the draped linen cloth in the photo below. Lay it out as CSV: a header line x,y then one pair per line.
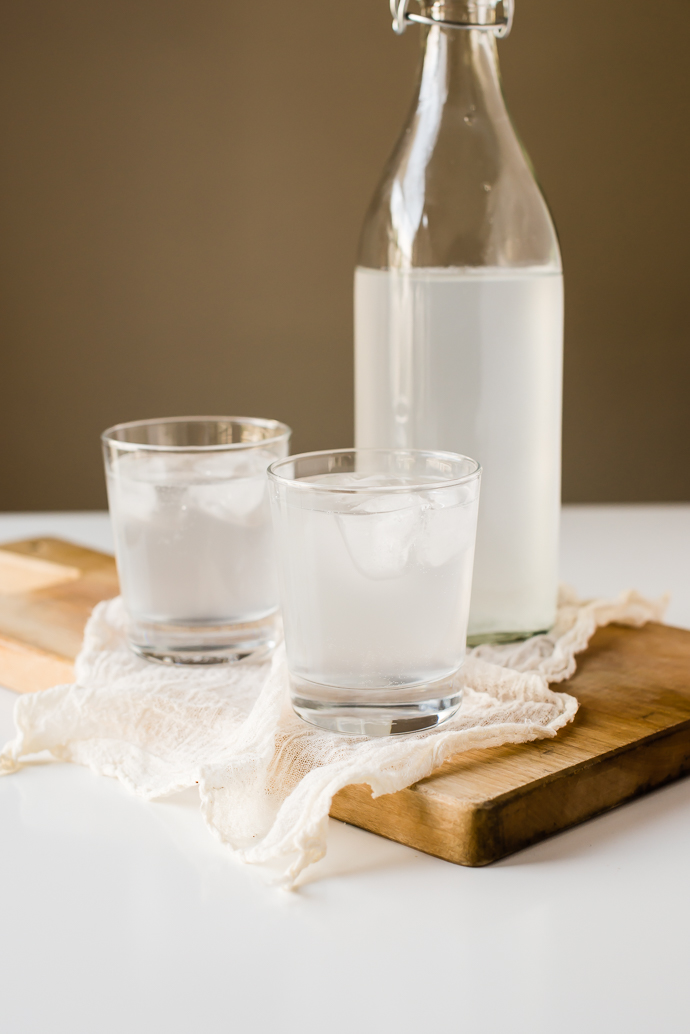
x,y
266,778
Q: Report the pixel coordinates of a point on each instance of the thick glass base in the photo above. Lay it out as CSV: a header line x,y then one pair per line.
x,y
502,637
376,712
167,643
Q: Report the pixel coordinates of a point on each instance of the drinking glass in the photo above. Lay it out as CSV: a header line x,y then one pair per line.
x,y
375,550
193,539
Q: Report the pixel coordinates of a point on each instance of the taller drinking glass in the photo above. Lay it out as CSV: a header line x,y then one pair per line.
x,y
375,553
459,313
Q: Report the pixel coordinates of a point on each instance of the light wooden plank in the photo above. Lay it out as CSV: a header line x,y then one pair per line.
x,y
27,573
26,669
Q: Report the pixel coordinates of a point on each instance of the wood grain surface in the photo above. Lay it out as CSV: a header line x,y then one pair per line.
x,y
631,734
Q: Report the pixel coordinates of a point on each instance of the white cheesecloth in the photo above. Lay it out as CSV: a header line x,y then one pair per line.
x,y
265,777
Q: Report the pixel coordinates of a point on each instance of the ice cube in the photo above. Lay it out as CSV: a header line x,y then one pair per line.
x,y
132,495
135,500
446,533
379,532
228,486
238,500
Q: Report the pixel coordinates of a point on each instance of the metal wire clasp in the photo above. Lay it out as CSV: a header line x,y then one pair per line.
x,y
500,28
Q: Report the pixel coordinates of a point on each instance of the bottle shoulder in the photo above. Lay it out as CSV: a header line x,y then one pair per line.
x,y
459,189
469,205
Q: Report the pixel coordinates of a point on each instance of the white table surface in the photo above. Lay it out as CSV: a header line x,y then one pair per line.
x,y
120,916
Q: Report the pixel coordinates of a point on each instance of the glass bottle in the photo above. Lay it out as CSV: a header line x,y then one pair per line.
x,y
459,315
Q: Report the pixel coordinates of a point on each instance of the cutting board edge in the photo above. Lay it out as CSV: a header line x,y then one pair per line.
x,y
476,834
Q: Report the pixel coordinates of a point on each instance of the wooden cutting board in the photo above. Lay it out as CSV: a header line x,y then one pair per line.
x,y
631,734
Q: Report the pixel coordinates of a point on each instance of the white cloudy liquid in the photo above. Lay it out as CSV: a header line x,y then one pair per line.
x,y
193,537
472,362
376,587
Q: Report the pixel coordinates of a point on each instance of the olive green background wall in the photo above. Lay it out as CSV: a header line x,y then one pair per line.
x,y
181,188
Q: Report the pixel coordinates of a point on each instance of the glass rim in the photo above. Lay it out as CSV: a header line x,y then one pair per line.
x,y
310,486
282,430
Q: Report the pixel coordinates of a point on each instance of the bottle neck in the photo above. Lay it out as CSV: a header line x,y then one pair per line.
x,y
461,65
459,122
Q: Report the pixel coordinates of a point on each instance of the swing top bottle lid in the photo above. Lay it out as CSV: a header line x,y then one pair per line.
x,y
485,18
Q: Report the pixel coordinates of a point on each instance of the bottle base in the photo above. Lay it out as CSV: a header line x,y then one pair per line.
x,y
376,713
502,637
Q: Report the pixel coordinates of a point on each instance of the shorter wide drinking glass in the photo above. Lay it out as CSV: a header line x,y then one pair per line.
x,y
193,537
375,551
